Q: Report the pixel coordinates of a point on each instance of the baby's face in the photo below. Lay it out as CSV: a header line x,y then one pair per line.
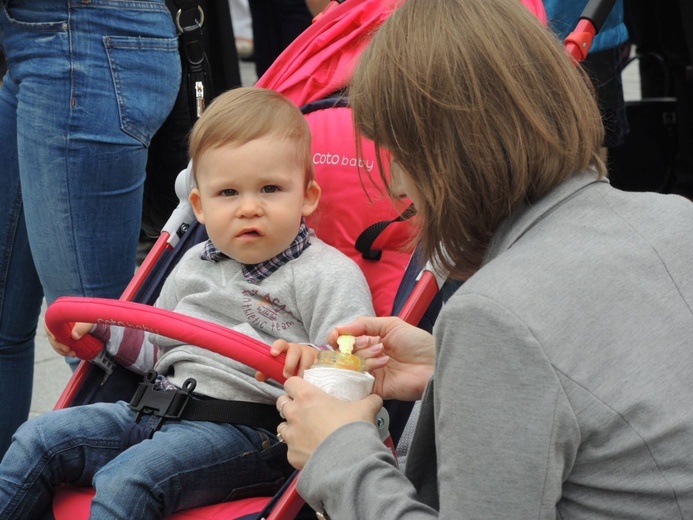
x,y
251,197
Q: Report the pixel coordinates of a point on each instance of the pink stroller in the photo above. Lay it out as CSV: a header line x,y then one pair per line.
x,y
312,72
334,40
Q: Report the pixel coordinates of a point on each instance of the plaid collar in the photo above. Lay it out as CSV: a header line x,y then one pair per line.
x,y
255,273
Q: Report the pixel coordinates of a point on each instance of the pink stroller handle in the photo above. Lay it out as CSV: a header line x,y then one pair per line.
x,y
216,338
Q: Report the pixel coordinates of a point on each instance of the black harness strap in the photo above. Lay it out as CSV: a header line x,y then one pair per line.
x,y
156,406
337,100
365,241
257,415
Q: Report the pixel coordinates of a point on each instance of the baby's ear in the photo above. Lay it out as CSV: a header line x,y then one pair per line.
x,y
196,203
311,198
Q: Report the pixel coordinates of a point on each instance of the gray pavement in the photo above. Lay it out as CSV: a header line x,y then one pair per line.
x,y
51,373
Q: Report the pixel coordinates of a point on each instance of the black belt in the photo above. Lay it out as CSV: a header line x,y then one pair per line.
x,y
183,404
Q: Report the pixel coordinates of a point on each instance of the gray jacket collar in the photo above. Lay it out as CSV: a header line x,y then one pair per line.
x,y
517,224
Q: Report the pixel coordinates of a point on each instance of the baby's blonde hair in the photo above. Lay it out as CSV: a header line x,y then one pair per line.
x,y
480,105
243,114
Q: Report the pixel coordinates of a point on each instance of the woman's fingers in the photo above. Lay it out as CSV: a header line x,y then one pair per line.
x,y
366,326
282,401
311,416
376,363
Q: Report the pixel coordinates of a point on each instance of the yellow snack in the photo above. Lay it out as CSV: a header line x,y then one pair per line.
x,y
346,343
337,359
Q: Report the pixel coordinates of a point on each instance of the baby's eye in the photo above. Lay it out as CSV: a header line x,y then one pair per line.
x,y
229,193
270,189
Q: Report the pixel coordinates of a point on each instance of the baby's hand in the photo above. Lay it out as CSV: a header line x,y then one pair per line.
x,y
78,331
298,358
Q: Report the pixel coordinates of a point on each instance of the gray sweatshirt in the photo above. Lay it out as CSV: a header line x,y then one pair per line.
x,y
564,377
300,302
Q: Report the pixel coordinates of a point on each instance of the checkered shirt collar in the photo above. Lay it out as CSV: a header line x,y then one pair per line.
x,y
255,273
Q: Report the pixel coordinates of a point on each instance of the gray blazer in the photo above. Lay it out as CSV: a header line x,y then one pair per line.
x,y
564,377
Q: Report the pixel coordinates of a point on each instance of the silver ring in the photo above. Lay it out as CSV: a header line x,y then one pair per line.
x,y
279,432
198,23
281,414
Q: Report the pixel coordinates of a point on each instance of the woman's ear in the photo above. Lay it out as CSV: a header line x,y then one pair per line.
x,y
196,203
311,198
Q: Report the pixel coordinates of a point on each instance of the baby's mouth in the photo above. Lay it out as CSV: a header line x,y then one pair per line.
x,y
249,233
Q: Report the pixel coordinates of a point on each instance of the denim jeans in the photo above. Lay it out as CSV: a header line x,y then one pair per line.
x,y
87,86
185,464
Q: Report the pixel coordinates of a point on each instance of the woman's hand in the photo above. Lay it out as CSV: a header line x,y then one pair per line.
x,y
400,356
78,331
311,415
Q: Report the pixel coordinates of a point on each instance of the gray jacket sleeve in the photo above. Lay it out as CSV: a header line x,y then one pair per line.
x,y
354,475
504,431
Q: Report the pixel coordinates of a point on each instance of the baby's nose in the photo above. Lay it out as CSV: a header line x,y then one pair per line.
x,y
249,206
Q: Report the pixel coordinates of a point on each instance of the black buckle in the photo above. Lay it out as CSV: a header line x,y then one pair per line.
x,y
168,404
105,362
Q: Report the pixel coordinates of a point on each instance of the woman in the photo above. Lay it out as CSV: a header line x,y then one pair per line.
x,y
561,368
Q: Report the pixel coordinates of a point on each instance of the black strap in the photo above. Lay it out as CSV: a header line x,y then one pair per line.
x,y
186,4
255,415
183,404
364,242
337,100
189,20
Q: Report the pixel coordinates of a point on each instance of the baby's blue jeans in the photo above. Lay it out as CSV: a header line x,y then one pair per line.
x,y
88,84
185,464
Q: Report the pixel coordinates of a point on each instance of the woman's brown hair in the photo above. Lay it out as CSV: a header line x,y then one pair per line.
x,y
482,108
243,114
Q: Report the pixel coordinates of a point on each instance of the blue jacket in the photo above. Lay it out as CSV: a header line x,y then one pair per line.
x,y
563,16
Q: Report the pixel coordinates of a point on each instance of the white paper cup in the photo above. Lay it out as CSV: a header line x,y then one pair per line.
x,y
341,383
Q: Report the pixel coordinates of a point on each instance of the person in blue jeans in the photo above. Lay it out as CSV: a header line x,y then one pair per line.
x,y
88,84
262,272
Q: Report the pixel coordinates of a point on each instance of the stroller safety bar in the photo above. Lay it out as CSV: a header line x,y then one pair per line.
x,y
66,310
210,336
